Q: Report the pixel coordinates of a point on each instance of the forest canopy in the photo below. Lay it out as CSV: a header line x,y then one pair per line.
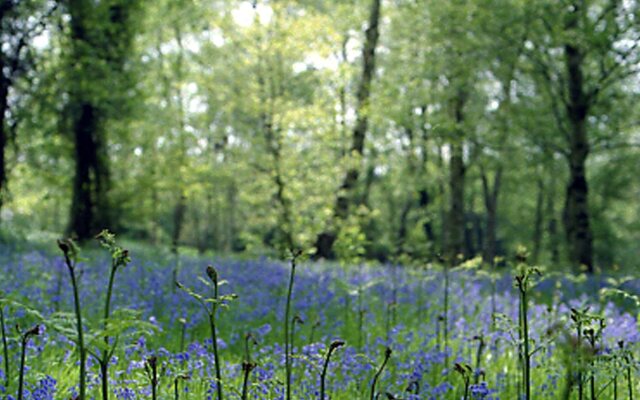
x,y
410,130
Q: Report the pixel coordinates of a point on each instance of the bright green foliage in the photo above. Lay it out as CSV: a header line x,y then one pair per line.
x,y
227,125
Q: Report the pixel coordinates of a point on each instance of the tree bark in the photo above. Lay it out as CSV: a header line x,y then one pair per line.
x,y
5,82
576,213
90,180
424,197
93,41
325,240
457,169
4,105
538,222
491,193
552,225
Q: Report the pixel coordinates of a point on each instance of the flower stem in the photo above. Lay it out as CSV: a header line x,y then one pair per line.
x,y
247,367
5,349
287,344
23,355
22,362
104,360
323,376
212,324
387,355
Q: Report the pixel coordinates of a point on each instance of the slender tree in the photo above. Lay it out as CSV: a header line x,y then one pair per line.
x,y
325,240
20,22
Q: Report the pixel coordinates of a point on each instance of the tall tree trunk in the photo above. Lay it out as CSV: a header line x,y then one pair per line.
x,y
402,226
179,212
491,193
457,168
538,222
552,225
6,61
576,213
4,105
91,176
285,227
442,192
424,197
325,240
7,64
94,41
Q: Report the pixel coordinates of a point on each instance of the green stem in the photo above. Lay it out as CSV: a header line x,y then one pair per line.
x,y
23,354
287,347
214,340
247,367
388,322
360,320
152,371
527,354
446,317
630,383
387,355
325,366
466,388
479,357
81,348
580,366
104,360
5,349
183,334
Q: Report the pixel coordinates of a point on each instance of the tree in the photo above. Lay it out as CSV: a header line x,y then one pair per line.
x,y
325,240
100,39
582,52
17,31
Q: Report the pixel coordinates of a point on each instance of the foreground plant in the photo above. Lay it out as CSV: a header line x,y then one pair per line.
x,y
5,345
176,380
332,347
247,367
210,305
24,340
151,368
445,314
465,372
247,364
524,282
70,252
119,258
630,365
287,328
387,355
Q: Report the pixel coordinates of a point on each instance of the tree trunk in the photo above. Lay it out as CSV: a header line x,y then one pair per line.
x,y
444,231
4,93
491,204
402,226
457,168
325,240
552,225
93,41
5,82
538,222
424,198
576,213
90,180
179,212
